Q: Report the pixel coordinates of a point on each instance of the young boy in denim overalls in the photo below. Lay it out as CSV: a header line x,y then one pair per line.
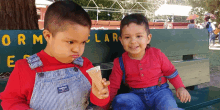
x,y
147,70
56,77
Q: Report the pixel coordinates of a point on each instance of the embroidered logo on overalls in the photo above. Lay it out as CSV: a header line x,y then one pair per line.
x,y
63,89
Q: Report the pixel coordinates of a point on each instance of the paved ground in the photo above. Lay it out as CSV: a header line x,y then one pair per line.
x,y
214,60
214,78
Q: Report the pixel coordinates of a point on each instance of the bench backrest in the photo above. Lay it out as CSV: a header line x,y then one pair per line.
x,y
175,43
104,46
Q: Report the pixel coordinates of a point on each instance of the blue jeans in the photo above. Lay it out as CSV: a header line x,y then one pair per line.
x,y
212,38
155,97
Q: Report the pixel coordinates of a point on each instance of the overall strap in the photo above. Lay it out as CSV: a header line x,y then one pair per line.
x,y
34,61
122,68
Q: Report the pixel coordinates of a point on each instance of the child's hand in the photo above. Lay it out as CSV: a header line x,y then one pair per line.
x,y
183,95
104,93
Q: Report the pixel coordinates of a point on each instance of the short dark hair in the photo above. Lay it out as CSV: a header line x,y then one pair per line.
x,y
135,18
191,21
207,18
62,12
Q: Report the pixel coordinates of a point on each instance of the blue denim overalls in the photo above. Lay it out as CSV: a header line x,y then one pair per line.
x,y
62,89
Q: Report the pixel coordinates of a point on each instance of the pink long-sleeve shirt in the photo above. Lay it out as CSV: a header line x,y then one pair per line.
x,y
18,91
143,73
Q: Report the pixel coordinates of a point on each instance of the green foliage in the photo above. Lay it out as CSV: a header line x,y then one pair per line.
x,y
178,2
102,15
200,7
117,15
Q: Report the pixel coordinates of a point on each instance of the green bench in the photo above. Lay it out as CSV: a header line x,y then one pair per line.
x,y
186,49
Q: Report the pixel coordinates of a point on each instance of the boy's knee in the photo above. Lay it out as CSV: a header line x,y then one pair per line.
x,y
120,98
128,100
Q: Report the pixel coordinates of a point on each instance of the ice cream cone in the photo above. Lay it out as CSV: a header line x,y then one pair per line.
x,y
96,76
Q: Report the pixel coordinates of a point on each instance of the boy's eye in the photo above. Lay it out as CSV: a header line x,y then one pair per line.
x,y
126,37
84,42
138,36
70,42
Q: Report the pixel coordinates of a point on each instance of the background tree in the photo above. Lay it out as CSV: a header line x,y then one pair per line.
x,y
200,7
102,4
150,5
18,14
126,4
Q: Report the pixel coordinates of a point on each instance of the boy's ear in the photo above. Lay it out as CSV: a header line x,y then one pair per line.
x,y
120,39
149,38
47,35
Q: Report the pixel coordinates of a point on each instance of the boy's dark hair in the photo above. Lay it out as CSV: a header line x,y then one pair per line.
x,y
62,12
207,18
192,21
135,18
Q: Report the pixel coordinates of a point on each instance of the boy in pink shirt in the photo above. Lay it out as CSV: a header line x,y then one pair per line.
x,y
147,70
55,78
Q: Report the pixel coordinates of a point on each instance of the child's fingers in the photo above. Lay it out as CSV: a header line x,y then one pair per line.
x,y
104,90
177,94
189,97
103,80
185,98
106,84
105,96
104,93
182,97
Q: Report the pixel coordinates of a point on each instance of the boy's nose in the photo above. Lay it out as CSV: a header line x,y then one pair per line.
x,y
75,49
133,40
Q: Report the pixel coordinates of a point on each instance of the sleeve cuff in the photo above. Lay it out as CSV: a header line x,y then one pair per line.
x,y
99,102
20,106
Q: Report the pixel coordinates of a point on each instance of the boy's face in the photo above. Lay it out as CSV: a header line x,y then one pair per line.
x,y
134,39
68,45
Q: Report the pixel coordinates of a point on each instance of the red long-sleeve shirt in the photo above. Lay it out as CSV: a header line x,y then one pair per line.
x,y
19,88
143,73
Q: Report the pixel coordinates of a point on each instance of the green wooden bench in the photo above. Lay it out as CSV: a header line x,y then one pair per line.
x,y
186,49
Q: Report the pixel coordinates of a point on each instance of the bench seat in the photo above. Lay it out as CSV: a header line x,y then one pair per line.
x,y
202,99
